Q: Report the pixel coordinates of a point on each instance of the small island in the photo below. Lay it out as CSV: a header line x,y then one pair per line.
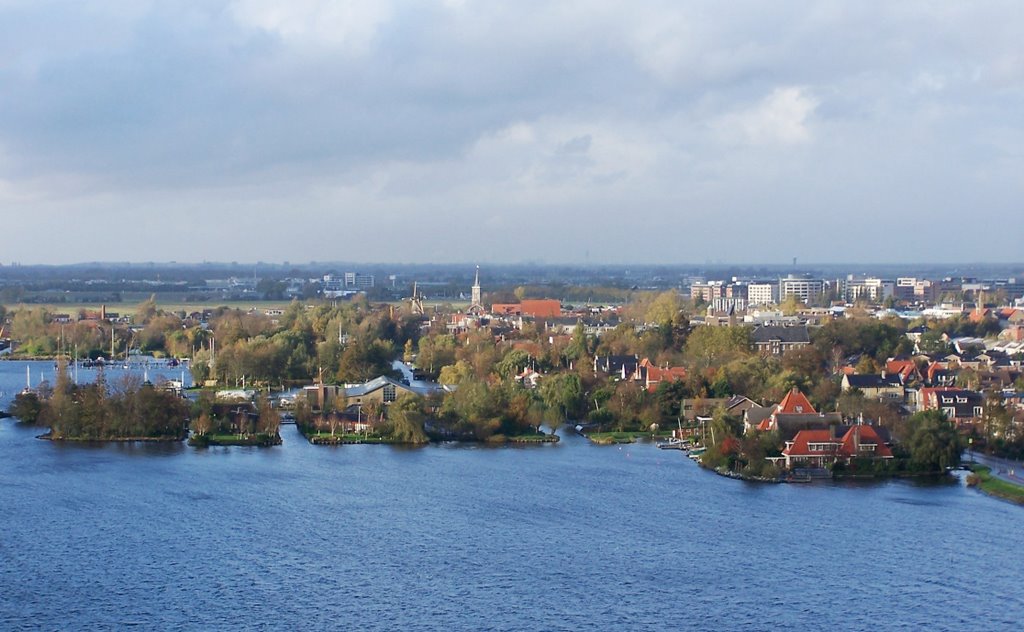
x,y
131,410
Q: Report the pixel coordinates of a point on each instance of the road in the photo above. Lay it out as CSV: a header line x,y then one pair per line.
x,y
1009,471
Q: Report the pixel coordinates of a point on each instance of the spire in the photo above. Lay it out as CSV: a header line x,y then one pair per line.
x,y
475,303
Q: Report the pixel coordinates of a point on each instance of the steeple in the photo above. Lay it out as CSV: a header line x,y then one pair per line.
x,y
475,304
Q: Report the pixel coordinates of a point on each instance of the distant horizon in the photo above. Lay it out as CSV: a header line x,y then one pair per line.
x,y
472,265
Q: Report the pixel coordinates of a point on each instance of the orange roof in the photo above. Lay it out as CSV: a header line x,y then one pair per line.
x,y
906,368
542,308
802,438
846,447
795,402
668,374
860,435
506,309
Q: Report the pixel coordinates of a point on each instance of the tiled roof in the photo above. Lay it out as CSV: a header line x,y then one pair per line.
x,y
795,402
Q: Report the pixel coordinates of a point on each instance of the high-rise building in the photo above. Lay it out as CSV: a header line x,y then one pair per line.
x,y
806,289
762,293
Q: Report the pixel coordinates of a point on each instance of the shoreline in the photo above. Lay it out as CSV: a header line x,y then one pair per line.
x,y
48,437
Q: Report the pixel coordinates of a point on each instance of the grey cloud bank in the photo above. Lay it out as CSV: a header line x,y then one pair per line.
x,y
455,131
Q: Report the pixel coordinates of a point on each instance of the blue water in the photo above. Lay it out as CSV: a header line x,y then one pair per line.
x,y
559,537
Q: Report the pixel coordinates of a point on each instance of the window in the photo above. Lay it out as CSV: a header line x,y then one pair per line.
x,y
950,412
389,393
977,411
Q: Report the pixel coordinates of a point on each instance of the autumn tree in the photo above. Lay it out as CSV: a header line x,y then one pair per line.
x,y
269,418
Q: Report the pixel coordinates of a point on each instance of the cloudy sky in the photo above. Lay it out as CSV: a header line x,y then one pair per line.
x,y
471,131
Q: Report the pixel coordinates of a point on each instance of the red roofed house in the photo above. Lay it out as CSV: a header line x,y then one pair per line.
x,y
794,403
652,375
906,369
821,448
980,314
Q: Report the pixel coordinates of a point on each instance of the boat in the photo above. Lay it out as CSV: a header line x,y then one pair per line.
x,y
675,444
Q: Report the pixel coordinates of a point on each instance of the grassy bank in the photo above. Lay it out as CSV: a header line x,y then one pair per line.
x,y
982,478
612,438
258,440
529,438
326,438
161,439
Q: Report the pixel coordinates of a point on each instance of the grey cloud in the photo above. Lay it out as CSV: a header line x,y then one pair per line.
x,y
697,115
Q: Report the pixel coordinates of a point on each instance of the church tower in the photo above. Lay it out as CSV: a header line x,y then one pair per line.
x,y
475,303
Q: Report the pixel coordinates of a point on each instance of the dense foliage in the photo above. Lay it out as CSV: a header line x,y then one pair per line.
x,y
131,409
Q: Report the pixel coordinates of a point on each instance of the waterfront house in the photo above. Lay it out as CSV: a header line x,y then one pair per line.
x,y
795,413
837,444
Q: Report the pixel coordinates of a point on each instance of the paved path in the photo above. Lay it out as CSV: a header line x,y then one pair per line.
x,y
1009,471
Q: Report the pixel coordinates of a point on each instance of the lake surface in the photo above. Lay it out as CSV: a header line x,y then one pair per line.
x,y
556,537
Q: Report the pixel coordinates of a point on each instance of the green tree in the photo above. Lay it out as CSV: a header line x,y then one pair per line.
x,y
934,442
269,418
563,394
455,373
26,407
512,364
405,419
708,347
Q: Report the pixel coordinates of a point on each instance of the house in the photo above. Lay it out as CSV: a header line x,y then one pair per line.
x,y
837,444
738,405
938,375
691,408
776,339
906,369
381,389
793,414
650,375
884,386
755,416
961,406
624,365
787,425
795,402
